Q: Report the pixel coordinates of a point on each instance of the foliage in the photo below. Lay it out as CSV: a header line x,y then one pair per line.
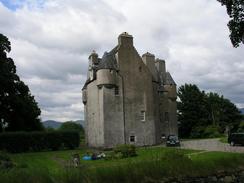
x,y
224,139
126,150
18,108
5,162
241,127
211,132
69,125
49,129
222,112
205,114
191,109
16,142
235,10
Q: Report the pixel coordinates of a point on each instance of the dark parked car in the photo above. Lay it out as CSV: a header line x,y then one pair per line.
x,y
236,139
173,140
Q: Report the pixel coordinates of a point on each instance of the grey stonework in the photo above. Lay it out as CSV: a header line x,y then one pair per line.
x,y
128,99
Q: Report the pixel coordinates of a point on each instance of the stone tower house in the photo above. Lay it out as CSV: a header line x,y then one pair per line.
x,y
128,99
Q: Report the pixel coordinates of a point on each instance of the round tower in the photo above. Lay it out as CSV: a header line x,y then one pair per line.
x,y
107,70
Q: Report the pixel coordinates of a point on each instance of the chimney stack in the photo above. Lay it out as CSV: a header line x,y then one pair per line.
x,y
125,39
149,61
160,65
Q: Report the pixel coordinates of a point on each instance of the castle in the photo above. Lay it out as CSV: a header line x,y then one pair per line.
x,y
128,99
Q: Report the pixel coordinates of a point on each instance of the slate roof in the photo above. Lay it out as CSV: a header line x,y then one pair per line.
x,y
108,60
168,79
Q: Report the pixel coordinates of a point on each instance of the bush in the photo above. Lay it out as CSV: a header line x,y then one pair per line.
x,y
211,132
16,142
205,132
126,150
5,162
241,127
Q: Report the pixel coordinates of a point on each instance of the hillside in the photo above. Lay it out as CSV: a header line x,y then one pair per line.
x,y
57,124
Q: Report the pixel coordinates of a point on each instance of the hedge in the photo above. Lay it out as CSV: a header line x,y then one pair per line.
x,y
16,142
126,150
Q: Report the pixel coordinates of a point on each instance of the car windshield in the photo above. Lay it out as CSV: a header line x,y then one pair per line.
x,y
173,137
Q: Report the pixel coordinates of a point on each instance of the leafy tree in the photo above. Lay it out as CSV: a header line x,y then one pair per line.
x,y
191,108
223,113
235,10
18,109
70,125
205,114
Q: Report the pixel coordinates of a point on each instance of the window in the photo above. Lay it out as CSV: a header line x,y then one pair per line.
x,y
116,90
132,138
143,116
166,117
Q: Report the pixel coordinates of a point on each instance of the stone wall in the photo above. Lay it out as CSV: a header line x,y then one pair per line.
x,y
138,94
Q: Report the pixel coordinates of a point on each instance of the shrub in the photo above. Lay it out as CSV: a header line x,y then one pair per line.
x,y
197,132
5,161
16,142
205,132
211,132
126,150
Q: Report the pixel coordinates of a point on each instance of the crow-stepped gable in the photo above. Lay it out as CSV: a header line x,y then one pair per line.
x,y
128,99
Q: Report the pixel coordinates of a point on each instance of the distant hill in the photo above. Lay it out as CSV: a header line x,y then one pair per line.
x,y
82,122
57,124
52,124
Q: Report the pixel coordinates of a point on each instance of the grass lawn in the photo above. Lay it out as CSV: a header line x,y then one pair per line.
x,y
55,161
153,162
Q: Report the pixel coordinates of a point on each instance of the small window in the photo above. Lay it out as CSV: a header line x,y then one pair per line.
x,y
166,116
132,138
140,69
116,90
143,116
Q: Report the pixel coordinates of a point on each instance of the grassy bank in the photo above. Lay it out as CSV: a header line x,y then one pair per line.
x,y
151,163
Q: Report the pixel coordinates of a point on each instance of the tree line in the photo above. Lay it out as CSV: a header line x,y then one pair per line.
x,y
202,114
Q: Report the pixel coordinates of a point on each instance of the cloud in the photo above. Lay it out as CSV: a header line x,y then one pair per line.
x,y
51,40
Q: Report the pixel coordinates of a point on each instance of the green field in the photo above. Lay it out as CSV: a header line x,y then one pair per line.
x,y
153,162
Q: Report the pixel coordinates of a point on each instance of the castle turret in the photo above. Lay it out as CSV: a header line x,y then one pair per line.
x,y
106,70
93,62
93,58
149,61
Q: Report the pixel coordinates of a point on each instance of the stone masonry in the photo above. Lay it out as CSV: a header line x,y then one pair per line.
x,y
128,99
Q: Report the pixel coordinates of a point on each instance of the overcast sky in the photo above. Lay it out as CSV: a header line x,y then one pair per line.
x,y
52,39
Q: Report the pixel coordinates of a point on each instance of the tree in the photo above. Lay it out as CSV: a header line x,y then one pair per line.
x,y
222,112
18,108
191,109
205,114
235,10
69,125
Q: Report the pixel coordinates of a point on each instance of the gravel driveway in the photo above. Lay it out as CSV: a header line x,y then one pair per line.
x,y
210,145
